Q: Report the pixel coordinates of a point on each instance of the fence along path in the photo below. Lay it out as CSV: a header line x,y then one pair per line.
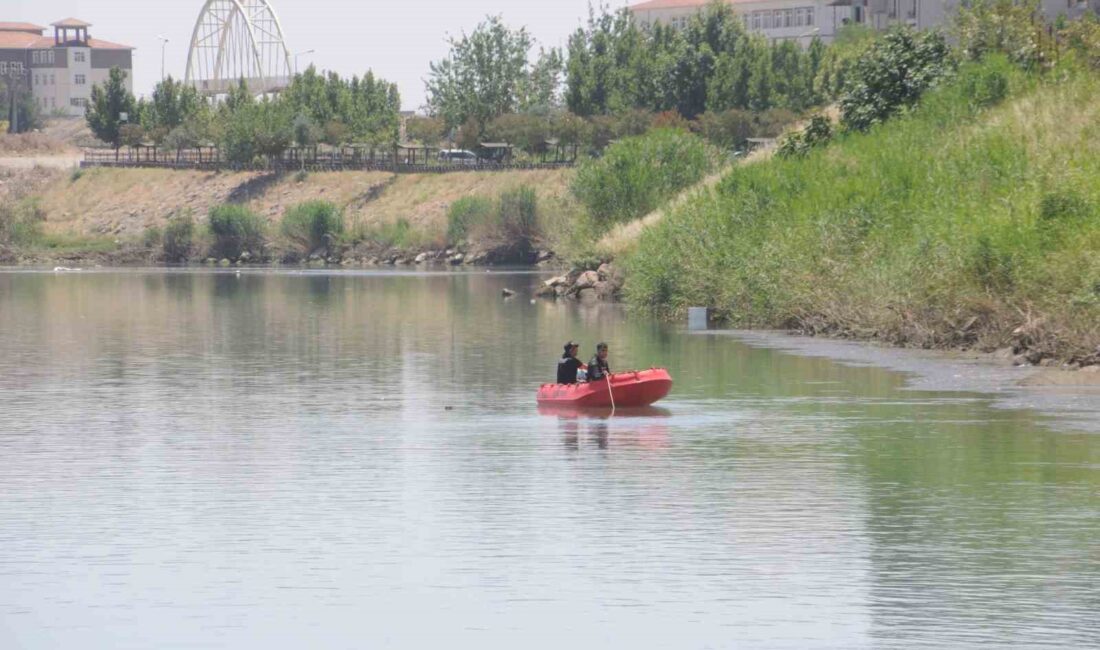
x,y
209,158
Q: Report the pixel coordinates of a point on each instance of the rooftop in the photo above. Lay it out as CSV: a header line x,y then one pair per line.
x,y
71,22
680,4
22,27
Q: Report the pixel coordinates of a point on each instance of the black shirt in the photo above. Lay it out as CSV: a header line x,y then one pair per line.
x,y
567,370
598,368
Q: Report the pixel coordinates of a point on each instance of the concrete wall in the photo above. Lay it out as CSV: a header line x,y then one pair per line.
x,y
113,59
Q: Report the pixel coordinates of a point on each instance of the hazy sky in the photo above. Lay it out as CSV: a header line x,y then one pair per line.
x,y
395,38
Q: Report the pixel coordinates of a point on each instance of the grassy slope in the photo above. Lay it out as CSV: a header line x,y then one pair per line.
x,y
926,231
123,202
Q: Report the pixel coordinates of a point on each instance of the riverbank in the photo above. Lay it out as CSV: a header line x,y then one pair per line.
x,y
970,222
1071,399
118,216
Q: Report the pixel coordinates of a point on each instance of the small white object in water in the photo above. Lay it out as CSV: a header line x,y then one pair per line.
x,y
65,269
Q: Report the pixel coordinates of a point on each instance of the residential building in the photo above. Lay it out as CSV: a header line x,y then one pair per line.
x,y
802,20
60,69
799,20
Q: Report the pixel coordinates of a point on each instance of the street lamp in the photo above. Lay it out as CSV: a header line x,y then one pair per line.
x,y
298,54
163,44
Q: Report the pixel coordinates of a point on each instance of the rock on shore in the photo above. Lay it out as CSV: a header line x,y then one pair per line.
x,y
604,283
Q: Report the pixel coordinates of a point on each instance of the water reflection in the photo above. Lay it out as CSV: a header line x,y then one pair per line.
x,y
236,461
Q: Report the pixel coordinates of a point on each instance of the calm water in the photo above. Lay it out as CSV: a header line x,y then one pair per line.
x,y
192,460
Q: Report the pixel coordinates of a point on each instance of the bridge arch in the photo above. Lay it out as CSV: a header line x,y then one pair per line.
x,y
234,40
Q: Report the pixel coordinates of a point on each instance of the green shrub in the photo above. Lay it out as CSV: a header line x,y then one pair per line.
x,y
236,230
1009,27
152,237
313,225
464,214
985,85
892,75
636,175
179,238
20,223
817,133
517,216
1083,38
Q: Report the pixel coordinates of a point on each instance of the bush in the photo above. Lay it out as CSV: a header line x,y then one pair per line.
x,y
984,85
152,237
818,132
20,223
1083,38
179,238
1001,26
517,216
892,75
637,175
464,214
236,230
313,225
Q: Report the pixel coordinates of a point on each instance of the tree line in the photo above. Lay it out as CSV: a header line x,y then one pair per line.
x,y
617,77
314,108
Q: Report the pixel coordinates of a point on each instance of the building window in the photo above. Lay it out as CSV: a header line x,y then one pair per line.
x,y
50,57
78,57
53,82
36,80
810,17
3,67
79,80
78,101
34,57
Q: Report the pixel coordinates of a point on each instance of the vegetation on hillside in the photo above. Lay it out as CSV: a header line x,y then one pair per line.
x,y
972,218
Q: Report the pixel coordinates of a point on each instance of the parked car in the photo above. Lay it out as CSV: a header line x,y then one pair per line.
x,y
458,157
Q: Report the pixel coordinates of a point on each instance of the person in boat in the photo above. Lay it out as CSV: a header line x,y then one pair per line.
x,y
598,367
569,364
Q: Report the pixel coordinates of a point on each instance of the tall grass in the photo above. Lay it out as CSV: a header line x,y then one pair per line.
x,y
974,219
312,226
235,230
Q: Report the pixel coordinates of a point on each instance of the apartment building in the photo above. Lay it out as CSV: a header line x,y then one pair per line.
x,y
802,20
61,69
799,20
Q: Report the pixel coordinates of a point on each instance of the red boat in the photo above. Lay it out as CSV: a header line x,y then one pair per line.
x,y
628,389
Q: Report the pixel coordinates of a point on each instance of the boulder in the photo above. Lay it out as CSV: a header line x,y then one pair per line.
x,y
456,259
606,290
587,294
605,272
546,291
421,258
544,256
556,281
507,293
586,280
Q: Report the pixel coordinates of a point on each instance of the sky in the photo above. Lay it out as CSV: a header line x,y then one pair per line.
x,y
396,39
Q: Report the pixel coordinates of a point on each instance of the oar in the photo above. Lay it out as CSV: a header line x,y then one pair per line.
x,y
607,376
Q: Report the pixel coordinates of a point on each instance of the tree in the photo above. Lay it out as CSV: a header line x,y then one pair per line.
x,y
19,106
542,86
893,73
171,105
108,103
483,76
425,130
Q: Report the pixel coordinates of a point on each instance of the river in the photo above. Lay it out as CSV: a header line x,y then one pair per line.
x,y
200,459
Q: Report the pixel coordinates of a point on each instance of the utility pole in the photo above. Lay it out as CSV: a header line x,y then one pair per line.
x,y
163,44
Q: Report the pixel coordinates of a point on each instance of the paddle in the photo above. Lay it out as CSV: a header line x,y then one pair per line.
x,y
607,376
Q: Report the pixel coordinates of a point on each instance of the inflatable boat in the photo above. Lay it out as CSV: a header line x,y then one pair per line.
x,y
629,389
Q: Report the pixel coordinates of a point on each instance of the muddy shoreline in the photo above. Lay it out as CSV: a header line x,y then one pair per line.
x,y
1070,399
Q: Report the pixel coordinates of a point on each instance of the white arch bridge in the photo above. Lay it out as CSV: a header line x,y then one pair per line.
x,y
234,40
